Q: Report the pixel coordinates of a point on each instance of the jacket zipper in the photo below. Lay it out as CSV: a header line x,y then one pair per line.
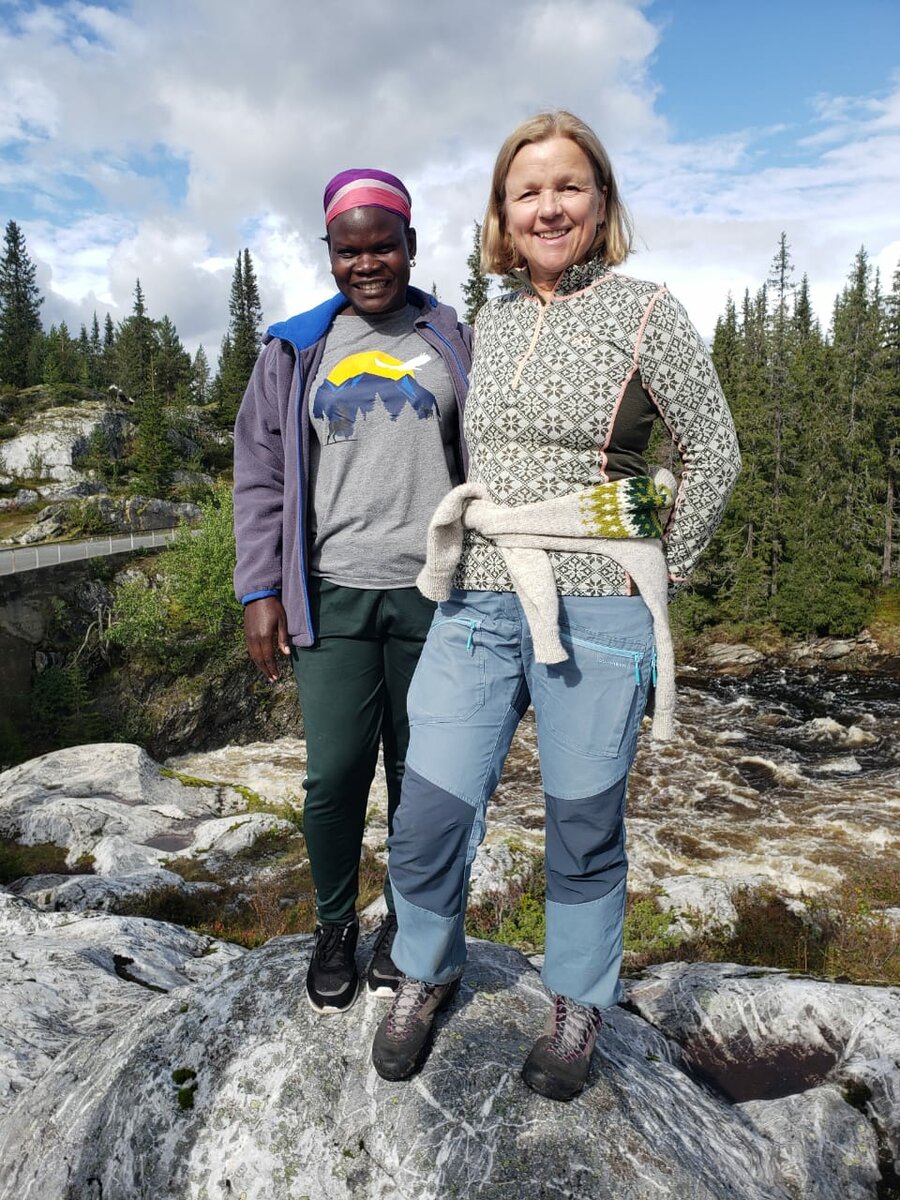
x,y
460,400
462,370
301,498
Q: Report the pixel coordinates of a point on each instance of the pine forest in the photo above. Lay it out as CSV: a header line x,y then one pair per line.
x,y
808,544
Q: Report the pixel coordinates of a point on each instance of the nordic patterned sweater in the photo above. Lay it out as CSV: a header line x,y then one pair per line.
x,y
564,395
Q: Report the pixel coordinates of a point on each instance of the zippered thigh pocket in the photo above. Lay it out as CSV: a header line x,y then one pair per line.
x,y
594,700
449,681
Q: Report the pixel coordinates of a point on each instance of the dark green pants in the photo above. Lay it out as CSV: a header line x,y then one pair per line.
x,y
352,685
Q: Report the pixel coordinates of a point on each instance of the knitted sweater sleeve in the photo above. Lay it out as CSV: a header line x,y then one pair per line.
x,y
678,373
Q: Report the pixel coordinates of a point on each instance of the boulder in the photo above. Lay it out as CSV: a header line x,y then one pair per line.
x,y
80,893
51,441
22,498
68,980
722,654
132,514
762,1035
234,1087
826,1148
113,802
697,902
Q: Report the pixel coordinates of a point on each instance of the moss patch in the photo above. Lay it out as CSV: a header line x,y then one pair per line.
x,y
17,861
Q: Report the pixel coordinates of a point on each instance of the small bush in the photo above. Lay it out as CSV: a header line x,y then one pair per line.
x,y
188,613
514,916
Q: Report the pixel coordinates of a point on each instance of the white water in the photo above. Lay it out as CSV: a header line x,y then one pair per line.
x,y
759,781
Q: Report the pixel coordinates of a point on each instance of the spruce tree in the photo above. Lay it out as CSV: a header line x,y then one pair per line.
x,y
477,286
200,376
20,304
136,345
241,344
172,364
153,456
62,362
108,359
84,357
95,354
779,291
887,431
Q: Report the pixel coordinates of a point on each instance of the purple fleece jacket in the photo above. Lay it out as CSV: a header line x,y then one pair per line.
x,y
271,449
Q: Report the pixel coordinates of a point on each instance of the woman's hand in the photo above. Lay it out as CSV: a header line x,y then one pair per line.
x,y
265,624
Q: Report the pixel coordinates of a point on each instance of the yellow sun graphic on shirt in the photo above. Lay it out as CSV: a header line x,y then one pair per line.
x,y
375,362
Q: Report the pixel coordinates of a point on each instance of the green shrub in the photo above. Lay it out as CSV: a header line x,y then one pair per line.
x,y
188,611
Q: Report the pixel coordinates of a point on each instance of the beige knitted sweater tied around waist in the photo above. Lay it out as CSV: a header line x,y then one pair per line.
x,y
525,533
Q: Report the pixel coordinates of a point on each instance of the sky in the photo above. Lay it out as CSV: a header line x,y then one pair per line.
x,y
154,139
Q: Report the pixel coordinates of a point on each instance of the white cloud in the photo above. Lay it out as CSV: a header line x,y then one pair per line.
x,y
250,111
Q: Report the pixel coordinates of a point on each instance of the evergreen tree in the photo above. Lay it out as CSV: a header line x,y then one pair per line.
x,y
136,345
20,303
153,457
477,286
62,362
856,347
172,364
108,358
887,427
84,357
200,375
241,344
779,291
95,355
810,528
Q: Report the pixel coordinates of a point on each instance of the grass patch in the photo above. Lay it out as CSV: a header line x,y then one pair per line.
x,y
647,928
17,861
848,937
845,937
281,902
885,623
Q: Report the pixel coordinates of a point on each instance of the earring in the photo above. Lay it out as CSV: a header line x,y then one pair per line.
x,y
412,262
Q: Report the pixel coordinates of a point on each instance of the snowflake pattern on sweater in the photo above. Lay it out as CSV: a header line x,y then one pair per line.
x,y
562,396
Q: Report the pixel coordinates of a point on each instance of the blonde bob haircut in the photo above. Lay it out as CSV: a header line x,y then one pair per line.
x,y
613,237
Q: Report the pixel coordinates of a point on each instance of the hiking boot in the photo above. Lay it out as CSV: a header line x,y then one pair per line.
x,y
382,976
558,1065
403,1038
332,980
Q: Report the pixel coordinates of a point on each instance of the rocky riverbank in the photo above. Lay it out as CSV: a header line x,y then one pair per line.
x,y
140,1059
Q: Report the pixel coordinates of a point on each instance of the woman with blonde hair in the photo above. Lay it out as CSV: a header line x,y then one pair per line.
x,y
560,561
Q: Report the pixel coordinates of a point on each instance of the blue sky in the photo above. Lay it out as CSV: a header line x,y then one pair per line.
x,y
155,138
722,66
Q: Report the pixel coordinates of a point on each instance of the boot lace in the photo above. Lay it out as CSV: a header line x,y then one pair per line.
x,y
410,997
575,1031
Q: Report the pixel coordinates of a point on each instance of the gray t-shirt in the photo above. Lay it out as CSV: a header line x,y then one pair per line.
x,y
384,452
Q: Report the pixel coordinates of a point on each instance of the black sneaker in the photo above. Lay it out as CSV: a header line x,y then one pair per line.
x,y
332,980
382,976
558,1065
403,1038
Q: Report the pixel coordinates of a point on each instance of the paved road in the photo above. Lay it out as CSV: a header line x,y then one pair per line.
x,y
30,558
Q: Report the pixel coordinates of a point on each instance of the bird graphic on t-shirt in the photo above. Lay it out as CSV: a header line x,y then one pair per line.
x,y
354,384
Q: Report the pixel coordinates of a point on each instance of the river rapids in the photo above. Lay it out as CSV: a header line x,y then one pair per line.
x,y
788,776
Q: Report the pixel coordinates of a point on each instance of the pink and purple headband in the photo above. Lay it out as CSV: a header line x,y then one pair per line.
x,y
363,188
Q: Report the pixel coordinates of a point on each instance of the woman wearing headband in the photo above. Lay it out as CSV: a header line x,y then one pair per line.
x,y
348,436
561,563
